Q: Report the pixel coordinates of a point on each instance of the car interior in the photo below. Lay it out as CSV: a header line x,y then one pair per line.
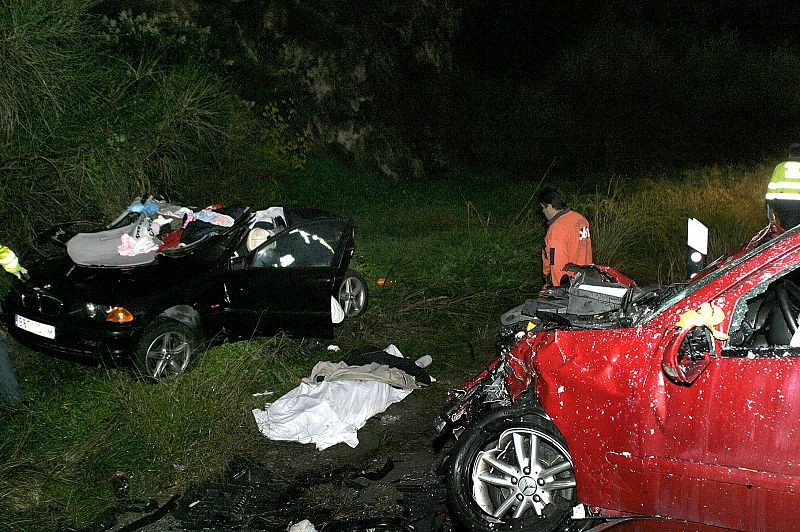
x,y
770,317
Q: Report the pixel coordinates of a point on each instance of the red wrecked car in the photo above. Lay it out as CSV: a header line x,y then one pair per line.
x,y
611,401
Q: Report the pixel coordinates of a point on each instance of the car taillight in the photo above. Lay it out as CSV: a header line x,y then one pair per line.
x,y
119,315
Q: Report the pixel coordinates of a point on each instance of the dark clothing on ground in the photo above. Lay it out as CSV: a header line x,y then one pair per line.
x,y
365,356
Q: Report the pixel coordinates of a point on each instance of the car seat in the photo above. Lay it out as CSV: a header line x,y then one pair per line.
x,y
257,236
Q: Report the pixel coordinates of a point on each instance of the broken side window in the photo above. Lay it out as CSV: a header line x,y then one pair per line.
x,y
765,319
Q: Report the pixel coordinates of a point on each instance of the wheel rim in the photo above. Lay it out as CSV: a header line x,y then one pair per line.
x,y
168,356
520,474
352,296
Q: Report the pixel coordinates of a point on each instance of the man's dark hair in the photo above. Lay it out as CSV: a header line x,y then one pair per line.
x,y
552,196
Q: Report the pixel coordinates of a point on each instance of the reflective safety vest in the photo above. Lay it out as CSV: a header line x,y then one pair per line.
x,y
785,182
8,260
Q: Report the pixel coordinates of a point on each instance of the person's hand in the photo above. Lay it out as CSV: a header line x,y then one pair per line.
x,y
22,274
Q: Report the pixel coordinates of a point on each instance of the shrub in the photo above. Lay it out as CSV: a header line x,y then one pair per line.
x,y
89,119
639,227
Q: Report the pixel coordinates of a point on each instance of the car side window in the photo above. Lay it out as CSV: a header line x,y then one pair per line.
x,y
765,320
306,245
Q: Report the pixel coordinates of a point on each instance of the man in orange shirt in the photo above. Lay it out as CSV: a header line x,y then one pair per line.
x,y
567,239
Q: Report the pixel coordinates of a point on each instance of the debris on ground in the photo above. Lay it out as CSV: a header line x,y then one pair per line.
x,y
303,526
253,497
120,481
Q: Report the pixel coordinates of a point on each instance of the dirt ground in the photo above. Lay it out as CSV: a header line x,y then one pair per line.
x,y
386,483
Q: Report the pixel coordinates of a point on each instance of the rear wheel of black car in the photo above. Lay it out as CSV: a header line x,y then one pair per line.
x,y
512,472
166,349
352,294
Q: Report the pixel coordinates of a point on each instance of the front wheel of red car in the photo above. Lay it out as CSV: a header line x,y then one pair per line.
x,y
512,472
165,350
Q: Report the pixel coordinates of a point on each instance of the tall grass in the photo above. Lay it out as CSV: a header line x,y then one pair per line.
x,y
639,228
58,454
86,123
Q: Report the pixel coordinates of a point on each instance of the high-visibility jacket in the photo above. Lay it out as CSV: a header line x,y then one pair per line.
x,y
785,182
567,241
9,260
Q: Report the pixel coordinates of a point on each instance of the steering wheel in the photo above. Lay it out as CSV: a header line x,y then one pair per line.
x,y
788,295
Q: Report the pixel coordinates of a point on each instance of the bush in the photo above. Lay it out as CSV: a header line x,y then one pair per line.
x,y
639,227
95,112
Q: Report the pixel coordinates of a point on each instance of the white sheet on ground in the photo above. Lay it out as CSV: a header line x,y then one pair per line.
x,y
328,412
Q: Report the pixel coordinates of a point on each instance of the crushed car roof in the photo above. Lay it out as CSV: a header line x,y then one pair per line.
x,y
163,229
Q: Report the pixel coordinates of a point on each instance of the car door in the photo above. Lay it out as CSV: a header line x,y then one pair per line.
x,y
287,282
724,449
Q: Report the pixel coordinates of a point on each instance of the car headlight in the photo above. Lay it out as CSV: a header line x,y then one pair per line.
x,y
95,311
110,313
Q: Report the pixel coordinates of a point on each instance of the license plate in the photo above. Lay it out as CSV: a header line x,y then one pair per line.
x,y
40,329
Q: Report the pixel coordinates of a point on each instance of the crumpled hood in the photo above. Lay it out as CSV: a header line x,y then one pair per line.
x,y
60,277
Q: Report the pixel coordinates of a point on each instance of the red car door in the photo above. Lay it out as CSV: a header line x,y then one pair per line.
x,y
725,449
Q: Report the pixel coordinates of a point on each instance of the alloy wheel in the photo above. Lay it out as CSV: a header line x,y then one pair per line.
x,y
352,296
519,475
168,356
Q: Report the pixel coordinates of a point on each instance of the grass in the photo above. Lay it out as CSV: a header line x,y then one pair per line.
x,y
460,251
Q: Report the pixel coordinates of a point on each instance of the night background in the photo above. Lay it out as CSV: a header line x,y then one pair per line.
x,y
432,124
513,86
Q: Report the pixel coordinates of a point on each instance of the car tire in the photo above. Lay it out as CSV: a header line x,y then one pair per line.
x,y
474,478
353,294
166,349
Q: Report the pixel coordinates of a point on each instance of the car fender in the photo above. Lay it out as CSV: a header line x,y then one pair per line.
x,y
184,314
525,409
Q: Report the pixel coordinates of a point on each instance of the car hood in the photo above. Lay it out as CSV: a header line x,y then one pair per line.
x,y
62,278
601,298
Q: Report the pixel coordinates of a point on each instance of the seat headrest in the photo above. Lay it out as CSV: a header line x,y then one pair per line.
x,y
256,237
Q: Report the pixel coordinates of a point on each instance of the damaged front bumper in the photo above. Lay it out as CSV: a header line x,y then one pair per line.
x,y
472,398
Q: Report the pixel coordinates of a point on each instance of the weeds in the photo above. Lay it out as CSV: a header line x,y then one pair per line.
x,y
640,228
95,112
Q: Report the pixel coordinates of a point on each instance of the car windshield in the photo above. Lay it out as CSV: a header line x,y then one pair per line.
x,y
672,294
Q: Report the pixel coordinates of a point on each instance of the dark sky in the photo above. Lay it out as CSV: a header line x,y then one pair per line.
x,y
501,35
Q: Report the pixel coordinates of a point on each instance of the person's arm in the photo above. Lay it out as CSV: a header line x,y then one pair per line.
x,y
546,282
558,251
10,263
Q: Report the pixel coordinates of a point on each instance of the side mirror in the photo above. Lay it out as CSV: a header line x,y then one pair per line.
x,y
687,353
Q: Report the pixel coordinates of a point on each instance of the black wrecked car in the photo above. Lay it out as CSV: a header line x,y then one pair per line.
x,y
162,278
